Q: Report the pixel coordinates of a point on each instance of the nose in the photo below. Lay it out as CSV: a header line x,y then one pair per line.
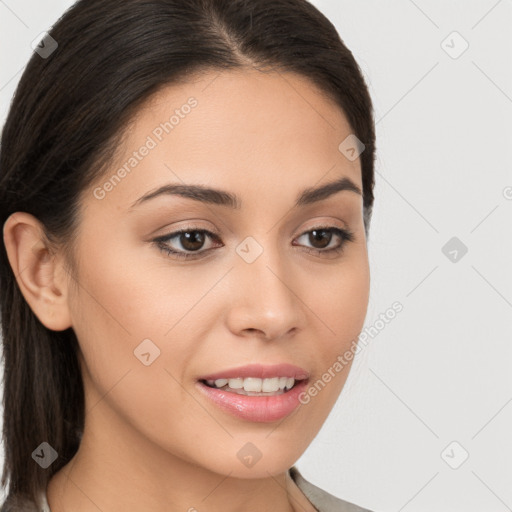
x,y
265,298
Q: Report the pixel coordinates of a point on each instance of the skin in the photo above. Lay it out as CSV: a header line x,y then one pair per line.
x,y
151,440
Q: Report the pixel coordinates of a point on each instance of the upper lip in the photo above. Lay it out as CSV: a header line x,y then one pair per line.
x,y
260,371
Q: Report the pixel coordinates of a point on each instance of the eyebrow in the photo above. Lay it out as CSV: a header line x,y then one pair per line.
x,y
223,198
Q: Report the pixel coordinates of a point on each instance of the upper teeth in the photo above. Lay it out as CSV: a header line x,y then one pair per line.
x,y
255,384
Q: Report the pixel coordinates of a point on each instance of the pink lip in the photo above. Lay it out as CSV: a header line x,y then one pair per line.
x,y
263,409
260,371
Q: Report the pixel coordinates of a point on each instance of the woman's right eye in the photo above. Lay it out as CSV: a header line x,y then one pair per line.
x,y
190,240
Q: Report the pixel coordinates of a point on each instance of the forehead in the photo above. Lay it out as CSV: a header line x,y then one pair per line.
x,y
240,130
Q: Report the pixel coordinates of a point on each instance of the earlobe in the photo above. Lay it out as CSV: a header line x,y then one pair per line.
x,y
38,272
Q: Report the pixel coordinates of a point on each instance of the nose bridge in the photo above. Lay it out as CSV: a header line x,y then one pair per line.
x,y
264,287
262,267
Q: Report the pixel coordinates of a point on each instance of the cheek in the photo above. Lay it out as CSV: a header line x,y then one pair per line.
x,y
121,312
339,297
339,301
133,292
115,309
339,305
130,303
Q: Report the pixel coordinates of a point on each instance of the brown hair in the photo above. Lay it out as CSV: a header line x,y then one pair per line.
x,y
64,123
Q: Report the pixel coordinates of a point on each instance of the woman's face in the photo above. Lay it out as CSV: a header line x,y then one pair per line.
x,y
152,325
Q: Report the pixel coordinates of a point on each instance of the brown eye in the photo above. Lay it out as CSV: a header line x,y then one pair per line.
x,y
185,242
320,238
192,240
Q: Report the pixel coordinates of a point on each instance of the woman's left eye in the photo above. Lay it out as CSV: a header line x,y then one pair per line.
x,y
324,235
192,239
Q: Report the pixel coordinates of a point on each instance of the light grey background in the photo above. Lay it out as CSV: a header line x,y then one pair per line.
x,y
440,371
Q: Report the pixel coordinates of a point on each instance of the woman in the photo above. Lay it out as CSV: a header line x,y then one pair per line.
x,y
186,192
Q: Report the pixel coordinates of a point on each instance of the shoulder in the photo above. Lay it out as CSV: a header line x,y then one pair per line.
x,y
320,499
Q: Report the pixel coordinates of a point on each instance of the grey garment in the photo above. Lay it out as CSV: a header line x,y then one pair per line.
x,y
320,499
44,503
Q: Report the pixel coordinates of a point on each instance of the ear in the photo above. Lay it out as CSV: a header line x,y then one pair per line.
x,y
41,275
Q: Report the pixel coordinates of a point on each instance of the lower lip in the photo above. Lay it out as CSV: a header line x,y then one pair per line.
x,y
262,409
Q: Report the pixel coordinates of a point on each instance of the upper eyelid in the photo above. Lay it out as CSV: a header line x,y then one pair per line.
x,y
330,224
186,229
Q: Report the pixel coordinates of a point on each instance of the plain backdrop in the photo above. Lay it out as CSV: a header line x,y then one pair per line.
x,y
425,418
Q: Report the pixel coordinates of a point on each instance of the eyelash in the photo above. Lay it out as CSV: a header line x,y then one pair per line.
x,y
344,234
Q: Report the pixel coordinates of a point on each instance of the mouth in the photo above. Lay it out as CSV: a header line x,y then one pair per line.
x,y
253,386
256,393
